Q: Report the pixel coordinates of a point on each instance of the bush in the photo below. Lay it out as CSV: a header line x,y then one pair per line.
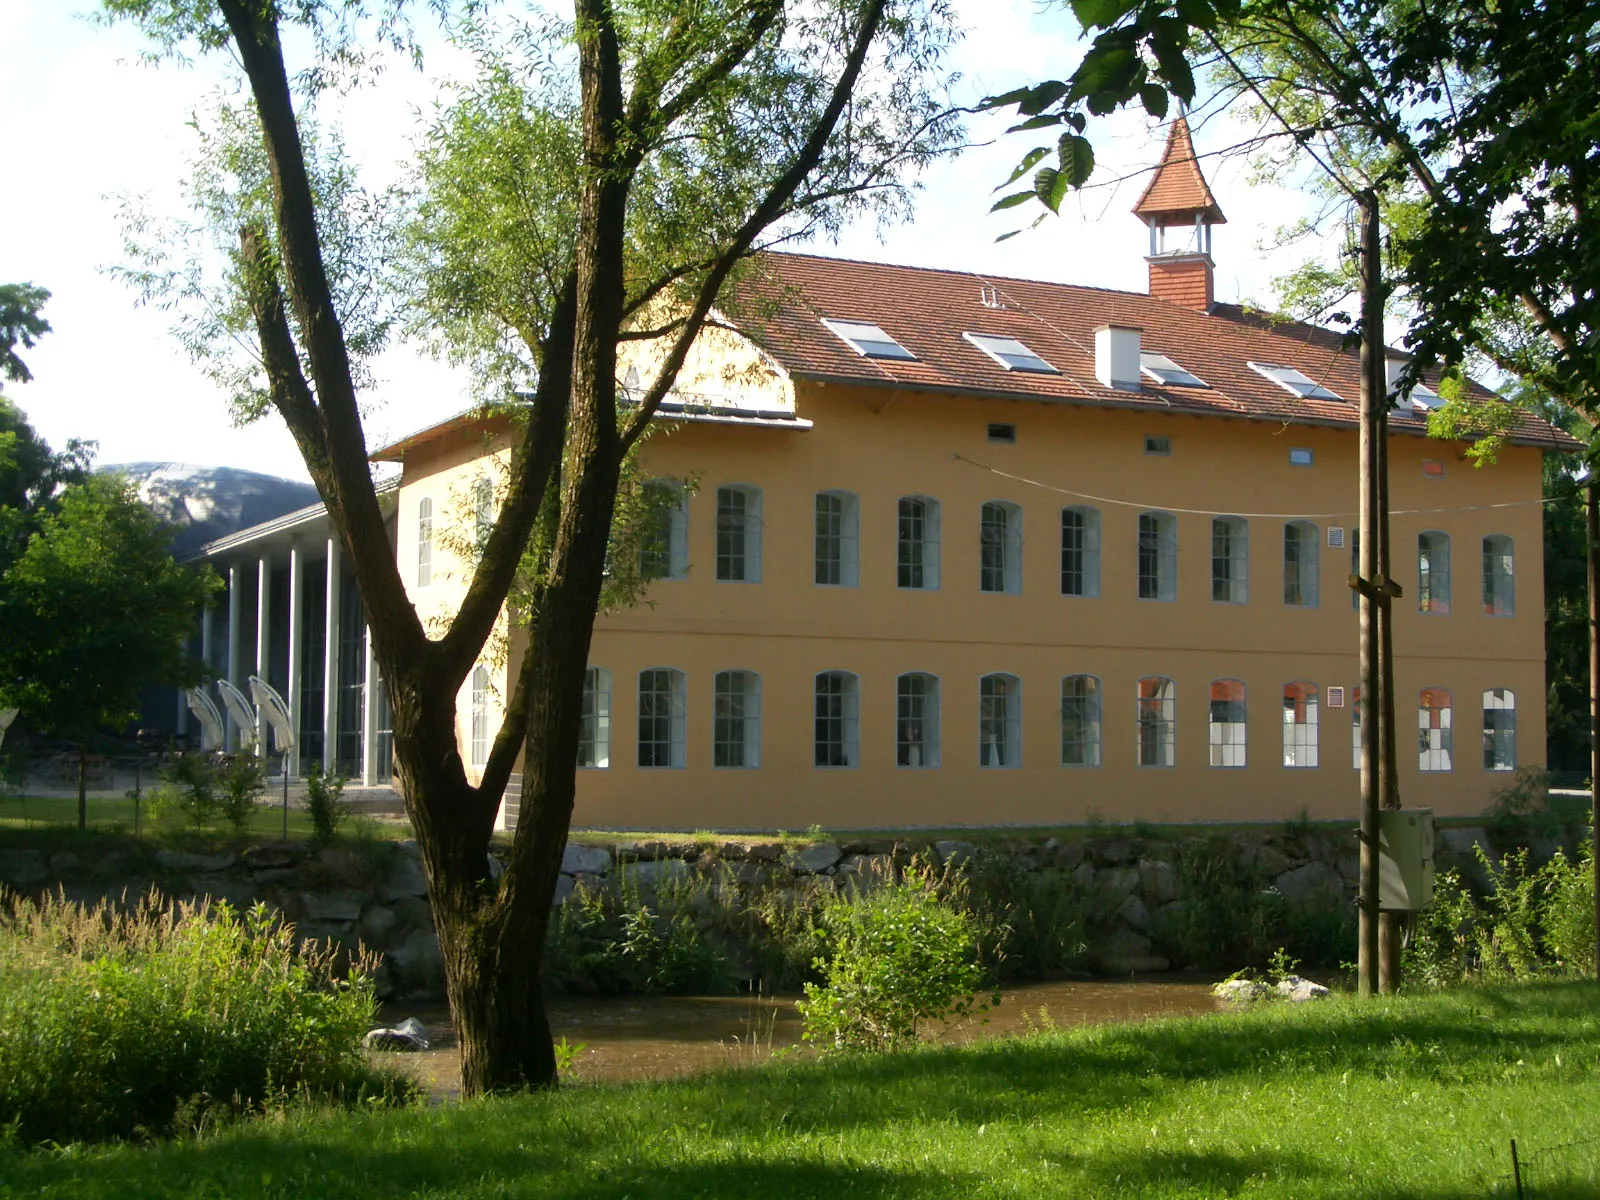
x,y
190,780
168,1017
900,956
1038,919
325,801
241,779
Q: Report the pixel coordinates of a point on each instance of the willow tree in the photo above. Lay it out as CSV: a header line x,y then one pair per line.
x,y
603,179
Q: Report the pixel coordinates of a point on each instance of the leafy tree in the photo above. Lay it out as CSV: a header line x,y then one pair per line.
x,y
20,324
92,609
625,167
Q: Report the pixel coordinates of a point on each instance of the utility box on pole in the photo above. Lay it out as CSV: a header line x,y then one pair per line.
x,y
1405,866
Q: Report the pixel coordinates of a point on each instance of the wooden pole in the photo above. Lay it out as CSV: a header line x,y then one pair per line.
x,y
1389,931
1592,515
1370,585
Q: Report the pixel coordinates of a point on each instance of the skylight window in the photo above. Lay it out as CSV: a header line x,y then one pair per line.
x,y
1291,380
1423,398
1010,353
868,340
1164,371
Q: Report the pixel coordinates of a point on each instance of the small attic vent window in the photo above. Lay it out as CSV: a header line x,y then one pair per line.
x,y
1291,380
999,432
868,340
1166,372
1010,353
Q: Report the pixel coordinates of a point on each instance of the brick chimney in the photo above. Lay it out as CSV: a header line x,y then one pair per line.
x,y
1180,211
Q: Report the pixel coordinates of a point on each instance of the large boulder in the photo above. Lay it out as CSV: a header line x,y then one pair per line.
x,y
585,860
177,860
815,858
654,872
954,854
1126,953
1309,883
404,881
1158,881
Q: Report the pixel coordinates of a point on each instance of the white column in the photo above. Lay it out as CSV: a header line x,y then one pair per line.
x,y
297,627
235,618
263,640
369,713
330,663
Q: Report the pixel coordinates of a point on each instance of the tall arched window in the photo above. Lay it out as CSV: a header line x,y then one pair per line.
x,y
1080,721
1301,555
663,717
1499,730
1300,725
1080,551
916,728
1158,722
1158,556
1355,727
424,542
478,742
837,737
664,549
999,721
594,731
838,538
917,543
1499,576
1226,730
736,719
1433,572
739,534
1000,547
482,511
1435,743
1230,560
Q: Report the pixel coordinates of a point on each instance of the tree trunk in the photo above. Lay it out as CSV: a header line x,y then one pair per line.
x,y
83,784
1372,586
1389,923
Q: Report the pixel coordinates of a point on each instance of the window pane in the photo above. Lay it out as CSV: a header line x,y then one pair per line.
x,y
1499,594
1080,721
736,719
830,538
1433,572
836,719
1226,735
1434,743
1300,725
733,527
1000,548
1499,730
661,718
1157,722
999,721
917,721
1230,560
917,543
1080,552
478,748
1301,556
1158,556
594,732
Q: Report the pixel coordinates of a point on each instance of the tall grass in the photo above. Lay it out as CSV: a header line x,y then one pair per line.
x,y
161,1017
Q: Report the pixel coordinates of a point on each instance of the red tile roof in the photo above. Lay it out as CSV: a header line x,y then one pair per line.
x,y
1178,190
927,311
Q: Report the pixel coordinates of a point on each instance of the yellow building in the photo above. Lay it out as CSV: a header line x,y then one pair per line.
x,y
967,550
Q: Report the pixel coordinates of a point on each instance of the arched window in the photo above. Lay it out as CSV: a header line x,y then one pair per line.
x,y
916,729
1435,744
1301,552
424,542
1080,551
1499,730
594,731
1433,572
999,721
1499,576
917,543
1080,721
663,717
1230,560
1226,730
838,538
837,738
482,511
1158,556
664,550
1299,724
736,719
1158,722
739,534
478,742
1355,728
1000,547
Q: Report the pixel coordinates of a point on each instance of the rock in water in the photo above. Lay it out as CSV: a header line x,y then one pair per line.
x,y
408,1036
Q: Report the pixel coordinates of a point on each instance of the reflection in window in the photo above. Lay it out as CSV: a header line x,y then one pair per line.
x,y
1226,729
999,721
594,730
1434,743
916,730
917,543
837,539
1000,548
1158,556
1158,722
1230,560
736,719
1300,725
1080,551
1080,721
1301,547
1499,577
1499,730
739,534
1433,572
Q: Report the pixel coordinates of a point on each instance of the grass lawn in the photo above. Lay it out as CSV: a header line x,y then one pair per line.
x,y
1411,1098
116,815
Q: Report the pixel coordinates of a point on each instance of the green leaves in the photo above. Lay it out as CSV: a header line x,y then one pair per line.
x,y
1077,160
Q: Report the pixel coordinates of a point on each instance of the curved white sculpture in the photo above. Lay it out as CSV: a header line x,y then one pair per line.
x,y
205,711
244,717
272,708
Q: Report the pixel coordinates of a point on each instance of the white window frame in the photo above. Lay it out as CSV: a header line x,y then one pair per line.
x,y
868,340
1293,381
1000,547
1230,560
1302,724
1157,560
1433,572
999,721
738,533
836,711
478,730
1082,730
838,539
1499,729
1156,722
1436,736
425,541
1302,564
1499,586
1010,353
736,720
917,557
594,729
1228,740
916,721
673,749
1087,553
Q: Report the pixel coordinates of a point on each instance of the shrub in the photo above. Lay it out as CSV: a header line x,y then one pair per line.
x,y
241,779
325,801
900,957
146,1022
1039,919
191,780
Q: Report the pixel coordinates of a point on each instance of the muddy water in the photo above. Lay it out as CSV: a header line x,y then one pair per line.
x,y
658,1037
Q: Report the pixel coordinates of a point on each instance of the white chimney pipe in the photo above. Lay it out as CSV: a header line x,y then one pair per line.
x,y
1116,357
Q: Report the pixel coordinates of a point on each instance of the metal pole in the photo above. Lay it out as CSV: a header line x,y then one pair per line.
x,y
1592,519
1371,585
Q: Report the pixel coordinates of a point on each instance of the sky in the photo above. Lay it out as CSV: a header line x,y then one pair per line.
x,y
89,124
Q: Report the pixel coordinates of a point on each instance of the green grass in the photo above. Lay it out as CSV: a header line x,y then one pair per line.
x,y
117,816
1410,1098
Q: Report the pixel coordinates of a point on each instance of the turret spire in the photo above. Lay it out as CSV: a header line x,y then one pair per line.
x,y
1176,201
